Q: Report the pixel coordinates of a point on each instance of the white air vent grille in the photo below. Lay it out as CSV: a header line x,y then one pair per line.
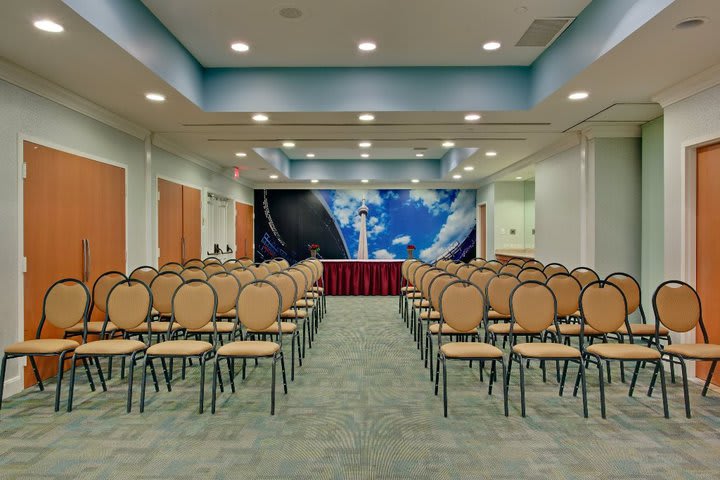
x,y
543,31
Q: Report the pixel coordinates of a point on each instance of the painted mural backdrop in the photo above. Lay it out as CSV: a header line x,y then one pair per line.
x,y
440,223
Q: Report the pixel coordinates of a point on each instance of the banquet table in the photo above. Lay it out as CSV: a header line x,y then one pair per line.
x,y
362,277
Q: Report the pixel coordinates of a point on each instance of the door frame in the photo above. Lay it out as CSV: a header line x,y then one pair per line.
x,y
15,385
688,217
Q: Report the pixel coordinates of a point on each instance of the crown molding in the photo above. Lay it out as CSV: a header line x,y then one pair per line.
x,y
612,131
690,86
38,85
172,147
568,141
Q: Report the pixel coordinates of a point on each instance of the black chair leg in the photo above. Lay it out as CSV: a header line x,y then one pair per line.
x,y
584,389
72,385
602,387
100,373
282,368
143,384
272,388
504,387
213,394
3,365
634,378
522,386
709,378
564,375
664,389
37,374
686,392
89,374
58,385
202,383
445,397
131,371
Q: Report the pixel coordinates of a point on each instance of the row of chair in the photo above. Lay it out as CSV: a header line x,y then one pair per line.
x,y
178,312
552,310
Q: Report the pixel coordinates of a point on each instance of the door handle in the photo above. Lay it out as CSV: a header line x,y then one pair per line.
x,y
182,249
89,261
84,260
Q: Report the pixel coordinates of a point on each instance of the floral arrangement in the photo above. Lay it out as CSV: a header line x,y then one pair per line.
x,y
314,246
411,247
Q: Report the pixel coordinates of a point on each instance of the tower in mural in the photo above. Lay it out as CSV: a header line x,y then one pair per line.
x,y
362,241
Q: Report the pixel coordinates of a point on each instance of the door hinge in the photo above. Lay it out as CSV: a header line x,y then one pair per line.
x,y
24,170
24,264
158,196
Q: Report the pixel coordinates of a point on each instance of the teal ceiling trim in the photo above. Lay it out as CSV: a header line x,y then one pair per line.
x,y
352,170
136,30
455,157
276,158
599,27
375,89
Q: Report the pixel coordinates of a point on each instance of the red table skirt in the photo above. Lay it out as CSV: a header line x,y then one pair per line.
x,y
362,278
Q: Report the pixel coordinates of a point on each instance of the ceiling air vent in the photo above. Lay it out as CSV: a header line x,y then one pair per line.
x,y
543,31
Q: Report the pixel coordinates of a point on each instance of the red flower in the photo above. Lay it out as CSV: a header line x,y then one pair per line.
x,y
411,247
314,246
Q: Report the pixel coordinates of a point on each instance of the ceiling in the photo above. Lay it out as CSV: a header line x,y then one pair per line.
x,y
407,32
621,83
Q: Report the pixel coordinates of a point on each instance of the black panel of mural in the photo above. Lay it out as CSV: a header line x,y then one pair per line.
x,y
365,224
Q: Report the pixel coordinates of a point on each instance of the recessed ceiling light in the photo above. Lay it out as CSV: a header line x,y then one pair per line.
x,y
491,153
274,177
240,47
288,144
578,95
367,46
415,180
314,180
366,117
364,180
472,117
469,168
241,154
457,177
518,178
419,154
155,97
490,46
310,155
49,26
365,155
448,144
260,117
364,144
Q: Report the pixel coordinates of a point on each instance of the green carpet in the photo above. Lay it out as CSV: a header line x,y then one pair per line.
x,y
361,407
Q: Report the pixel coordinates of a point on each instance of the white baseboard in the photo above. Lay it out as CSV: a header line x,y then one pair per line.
x,y
12,386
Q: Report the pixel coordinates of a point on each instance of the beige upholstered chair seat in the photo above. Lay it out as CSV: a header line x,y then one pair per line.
x,y
293,314
92,327
643,329
42,345
249,348
222,327
431,315
156,327
504,329
448,330
305,303
407,289
470,350
573,330
694,350
287,327
312,294
318,289
110,347
421,304
493,315
180,347
623,351
229,314
414,294
546,350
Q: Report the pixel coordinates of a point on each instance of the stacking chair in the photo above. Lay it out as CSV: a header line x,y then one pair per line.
x,y
478,262
417,299
436,287
412,291
213,268
245,261
531,273
227,288
461,307
66,303
100,290
129,305
145,274
532,263
553,268
453,267
404,283
193,306
511,269
585,275
311,297
319,287
493,265
194,263
272,265
497,295
212,261
423,305
313,272
443,263
567,290
232,264
259,307
193,273
534,308
678,308
603,307
285,283
259,270
516,261
172,267
465,270
284,264
298,313
243,275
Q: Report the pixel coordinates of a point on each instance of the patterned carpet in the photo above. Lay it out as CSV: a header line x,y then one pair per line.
x,y
361,407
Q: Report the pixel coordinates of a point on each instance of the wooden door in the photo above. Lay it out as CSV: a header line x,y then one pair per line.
x,y
244,230
708,248
191,217
482,215
170,222
67,198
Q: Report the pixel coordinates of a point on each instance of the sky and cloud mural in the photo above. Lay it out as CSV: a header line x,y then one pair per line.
x,y
440,223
